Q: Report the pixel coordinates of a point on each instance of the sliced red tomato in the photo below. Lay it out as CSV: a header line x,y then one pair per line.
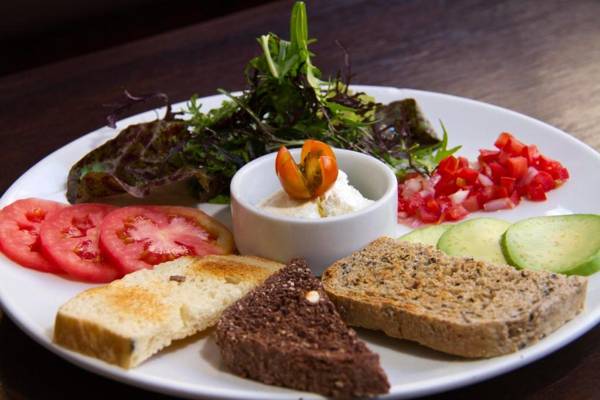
x,y
20,230
143,236
70,239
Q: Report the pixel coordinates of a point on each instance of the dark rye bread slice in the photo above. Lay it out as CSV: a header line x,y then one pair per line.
x,y
452,304
287,332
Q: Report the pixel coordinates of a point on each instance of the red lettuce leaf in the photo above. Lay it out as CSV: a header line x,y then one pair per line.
x,y
142,157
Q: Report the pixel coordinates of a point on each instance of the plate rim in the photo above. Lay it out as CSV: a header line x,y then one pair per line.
x,y
423,387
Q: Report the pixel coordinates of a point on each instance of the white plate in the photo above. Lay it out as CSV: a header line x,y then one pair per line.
x,y
194,369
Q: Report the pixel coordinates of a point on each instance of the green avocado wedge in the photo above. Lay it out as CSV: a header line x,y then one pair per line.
x,y
427,235
478,238
568,244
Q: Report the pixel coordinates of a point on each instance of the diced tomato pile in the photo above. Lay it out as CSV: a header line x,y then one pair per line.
x,y
99,243
498,180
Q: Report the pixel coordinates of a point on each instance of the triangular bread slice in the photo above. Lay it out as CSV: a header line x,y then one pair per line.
x,y
131,319
288,333
453,304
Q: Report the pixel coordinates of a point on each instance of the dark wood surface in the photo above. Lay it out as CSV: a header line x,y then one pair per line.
x,y
75,27
541,58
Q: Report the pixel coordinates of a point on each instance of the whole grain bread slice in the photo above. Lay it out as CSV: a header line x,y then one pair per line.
x,y
288,333
452,304
131,319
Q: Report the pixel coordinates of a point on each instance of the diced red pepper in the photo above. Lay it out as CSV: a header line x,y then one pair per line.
x,y
468,174
455,213
490,193
446,187
461,182
503,157
554,168
531,153
562,174
426,216
514,146
502,140
545,180
488,155
515,197
411,204
508,182
444,202
499,192
536,193
517,166
432,206
501,179
498,171
448,165
471,204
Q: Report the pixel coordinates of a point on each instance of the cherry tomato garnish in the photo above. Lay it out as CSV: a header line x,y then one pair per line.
x,y
316,173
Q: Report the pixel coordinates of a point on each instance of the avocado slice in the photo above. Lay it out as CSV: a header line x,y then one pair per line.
x,y
568,244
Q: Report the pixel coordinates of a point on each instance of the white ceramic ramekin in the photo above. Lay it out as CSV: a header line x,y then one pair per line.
x,y
320,241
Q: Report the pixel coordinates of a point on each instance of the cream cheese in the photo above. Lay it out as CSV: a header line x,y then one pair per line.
x,y
341,198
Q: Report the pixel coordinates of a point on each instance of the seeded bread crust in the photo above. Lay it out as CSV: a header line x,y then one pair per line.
x,y
286,332
452,304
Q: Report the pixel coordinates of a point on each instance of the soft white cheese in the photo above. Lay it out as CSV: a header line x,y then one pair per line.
x,y
341,198
281,203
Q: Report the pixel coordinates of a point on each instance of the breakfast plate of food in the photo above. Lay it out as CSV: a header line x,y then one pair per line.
x,y
304,238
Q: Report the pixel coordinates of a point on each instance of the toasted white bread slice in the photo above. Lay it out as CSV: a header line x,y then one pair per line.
x,y
129,320
452,304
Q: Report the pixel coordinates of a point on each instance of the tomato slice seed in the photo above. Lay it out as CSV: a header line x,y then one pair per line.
x,y
70,238
141,237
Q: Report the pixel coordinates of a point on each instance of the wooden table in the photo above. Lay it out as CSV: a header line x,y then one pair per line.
x,y
541,58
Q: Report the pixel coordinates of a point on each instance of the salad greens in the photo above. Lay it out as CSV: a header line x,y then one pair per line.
x,y
286,101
